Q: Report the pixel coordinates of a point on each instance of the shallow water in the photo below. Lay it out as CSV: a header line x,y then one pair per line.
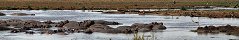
x,y
178,27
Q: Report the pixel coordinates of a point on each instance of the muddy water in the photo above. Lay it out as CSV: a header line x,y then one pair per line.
x,y
178,26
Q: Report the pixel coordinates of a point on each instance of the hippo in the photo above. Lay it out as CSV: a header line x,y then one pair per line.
x,y
141,27
14,22
72,24
48,22
106,29
3,24
98,28
228,29
86,23
2,14
120,29
17,30
66,27
62,23
4,28
147,27
30,32
158,26
22,14
105,22
88,31
114,12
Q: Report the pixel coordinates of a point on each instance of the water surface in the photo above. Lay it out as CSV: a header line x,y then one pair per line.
x,y
178,27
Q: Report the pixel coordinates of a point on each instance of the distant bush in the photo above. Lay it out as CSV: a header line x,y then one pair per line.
x,y
236,6
183,8
29,7
43,8
8,8
83,8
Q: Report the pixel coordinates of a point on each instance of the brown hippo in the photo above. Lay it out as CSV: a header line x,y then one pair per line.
x,y
106,29
125,29
62,23
86,23
114,12
27,23
141,27
105,22
4,28
157,26
228,29
3,23
30,32
72,24
17,30
48,22
22,14
147,27
14,22
98,28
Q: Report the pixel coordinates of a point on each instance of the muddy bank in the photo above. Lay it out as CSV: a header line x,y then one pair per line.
x,y
228,29
210,14
66,27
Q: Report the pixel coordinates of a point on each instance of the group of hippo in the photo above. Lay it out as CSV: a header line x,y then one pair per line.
x,y
66,27
228,29
17,14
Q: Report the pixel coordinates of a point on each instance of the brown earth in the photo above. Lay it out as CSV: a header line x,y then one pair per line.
x,y
109,4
